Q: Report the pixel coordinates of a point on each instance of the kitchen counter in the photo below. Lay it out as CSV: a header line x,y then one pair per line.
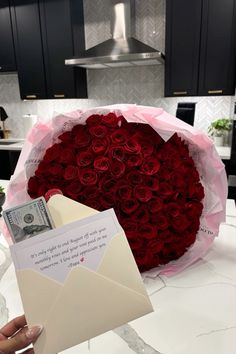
x,y
195,311
11,144
224,152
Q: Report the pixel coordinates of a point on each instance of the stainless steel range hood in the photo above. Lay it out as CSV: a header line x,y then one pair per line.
x,y
122,49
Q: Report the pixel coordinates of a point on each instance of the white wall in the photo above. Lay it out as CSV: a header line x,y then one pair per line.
x,y
143,85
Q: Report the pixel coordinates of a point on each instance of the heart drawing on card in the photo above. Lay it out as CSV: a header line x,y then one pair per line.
x,y
82,259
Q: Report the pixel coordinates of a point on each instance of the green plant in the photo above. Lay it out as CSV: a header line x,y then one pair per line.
x,y
1,189
220,126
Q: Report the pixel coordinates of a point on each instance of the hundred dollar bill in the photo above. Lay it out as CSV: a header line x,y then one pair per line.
x,y
28,219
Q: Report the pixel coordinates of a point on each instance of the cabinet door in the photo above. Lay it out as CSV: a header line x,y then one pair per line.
x,y
183,26
217,59
29,50
57,19
58,45
7,54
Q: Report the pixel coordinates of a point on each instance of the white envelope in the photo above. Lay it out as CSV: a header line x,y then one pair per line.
x,y
89,302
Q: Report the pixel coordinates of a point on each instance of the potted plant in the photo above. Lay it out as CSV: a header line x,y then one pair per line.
x,y
219,129
2,198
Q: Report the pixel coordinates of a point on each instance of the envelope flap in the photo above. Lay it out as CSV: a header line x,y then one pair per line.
x,y
65,210
37,293
91,304
118,264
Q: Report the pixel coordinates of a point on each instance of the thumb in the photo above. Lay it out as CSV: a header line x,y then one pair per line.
x,y
22,339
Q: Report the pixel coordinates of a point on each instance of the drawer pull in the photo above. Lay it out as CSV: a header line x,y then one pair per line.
x,y
180,92
59,95
31,96
215,91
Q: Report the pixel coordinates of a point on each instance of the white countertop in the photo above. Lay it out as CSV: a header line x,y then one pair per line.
x,y
11,144
224,152
195,311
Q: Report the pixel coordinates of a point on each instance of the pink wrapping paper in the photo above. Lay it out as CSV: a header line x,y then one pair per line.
x,y
202,150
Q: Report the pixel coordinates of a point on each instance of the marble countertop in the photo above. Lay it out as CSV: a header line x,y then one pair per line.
x,y
11,144
224,152
195,311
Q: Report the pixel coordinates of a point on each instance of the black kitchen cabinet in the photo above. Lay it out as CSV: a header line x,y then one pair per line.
x,y
8,162
7,53
200,47
218,42
46,34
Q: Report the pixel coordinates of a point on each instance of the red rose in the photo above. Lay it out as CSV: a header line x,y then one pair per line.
x,y
93,203
162,222
180,223
173,209
42,169
107,183
117,168
155,205
150,166
73,189
53,153
148,231
194,209
120,136
196,191
99,146
87,176
152,182
134,177
91,192
124,191
67,156
84,159
147,148
142,215
134,160
132,146
71,172
56,169
82,139
94,119
66,137
117,152
101,163
33,185
165,189
98,131
155,245
135,242
128,206
130,225
110,120
142,193
107,200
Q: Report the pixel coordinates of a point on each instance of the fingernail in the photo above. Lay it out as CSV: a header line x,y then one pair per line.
x,y
33,332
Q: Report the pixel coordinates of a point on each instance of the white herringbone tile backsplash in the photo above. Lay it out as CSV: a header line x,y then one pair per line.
x,y
143,85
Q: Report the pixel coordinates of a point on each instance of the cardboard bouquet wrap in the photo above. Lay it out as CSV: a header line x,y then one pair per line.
x,y
163,178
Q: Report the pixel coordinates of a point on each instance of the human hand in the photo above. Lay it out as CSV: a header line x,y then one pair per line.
x,y
16,335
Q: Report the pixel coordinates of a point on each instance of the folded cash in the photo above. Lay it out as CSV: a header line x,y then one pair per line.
x,y
28,219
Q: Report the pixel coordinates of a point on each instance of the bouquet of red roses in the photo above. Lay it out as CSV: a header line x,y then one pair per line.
x,y
163,178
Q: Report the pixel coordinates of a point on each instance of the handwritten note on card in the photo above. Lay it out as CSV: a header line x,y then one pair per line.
x,y
80,243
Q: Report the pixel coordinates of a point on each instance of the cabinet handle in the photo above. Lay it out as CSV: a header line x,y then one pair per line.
x,y
31,96
215,91
180,92
59,95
